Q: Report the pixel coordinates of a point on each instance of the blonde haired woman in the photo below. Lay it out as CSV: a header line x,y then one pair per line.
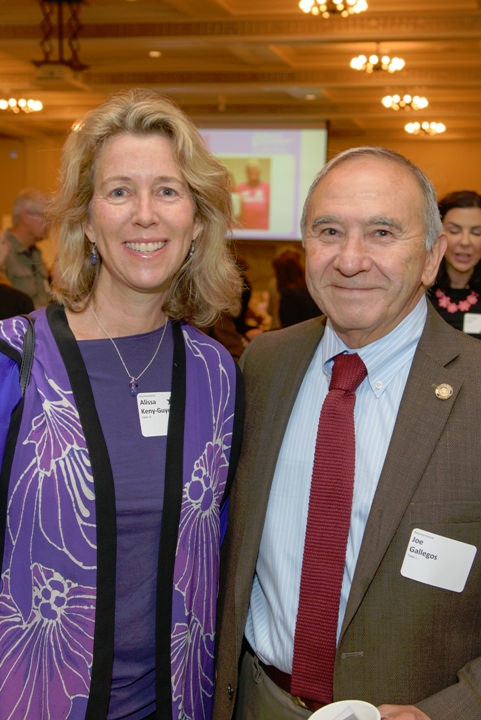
x,y
118,459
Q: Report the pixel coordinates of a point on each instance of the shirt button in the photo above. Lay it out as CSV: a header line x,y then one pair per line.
x,y
230,691
378,385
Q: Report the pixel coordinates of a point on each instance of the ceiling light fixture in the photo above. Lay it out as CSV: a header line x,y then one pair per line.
x,y
376,63
59,31
326,8
406,102
26,105
425,128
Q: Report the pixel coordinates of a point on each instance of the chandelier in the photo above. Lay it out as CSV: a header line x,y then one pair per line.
x,y
26,105
60,44
325,8
406,102
375,63
425,128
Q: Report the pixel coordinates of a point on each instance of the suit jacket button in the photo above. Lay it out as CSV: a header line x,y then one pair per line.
x,y
230,691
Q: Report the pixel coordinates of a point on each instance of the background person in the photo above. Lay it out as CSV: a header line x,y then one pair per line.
x,y
456,294
24,265
407,640
229,328
12,301
120,463
254,198
295,301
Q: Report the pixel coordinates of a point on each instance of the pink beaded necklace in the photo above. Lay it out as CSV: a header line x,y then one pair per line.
x,y
444,301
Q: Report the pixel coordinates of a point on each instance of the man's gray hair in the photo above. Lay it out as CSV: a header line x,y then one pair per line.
x,y
26,199
433,226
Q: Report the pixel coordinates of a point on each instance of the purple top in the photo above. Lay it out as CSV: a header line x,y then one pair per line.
x,y
139,500
57,590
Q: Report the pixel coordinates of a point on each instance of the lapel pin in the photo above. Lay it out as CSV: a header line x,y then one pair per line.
x,y
443,391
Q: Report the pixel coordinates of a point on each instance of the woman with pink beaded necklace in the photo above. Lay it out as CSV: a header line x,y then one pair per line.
x,y
456,294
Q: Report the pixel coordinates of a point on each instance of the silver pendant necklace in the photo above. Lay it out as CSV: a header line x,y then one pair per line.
x,y
133,380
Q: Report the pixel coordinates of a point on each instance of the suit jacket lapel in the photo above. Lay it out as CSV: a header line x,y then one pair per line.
x,y
420,422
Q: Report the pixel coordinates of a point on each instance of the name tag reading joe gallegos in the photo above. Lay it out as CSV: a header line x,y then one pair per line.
x,y
437,560
154,411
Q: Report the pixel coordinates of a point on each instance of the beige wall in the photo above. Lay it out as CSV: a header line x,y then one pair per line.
x,y
30,163
451,165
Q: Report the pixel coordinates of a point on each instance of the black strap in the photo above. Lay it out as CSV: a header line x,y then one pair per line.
x,y
27,356
25,363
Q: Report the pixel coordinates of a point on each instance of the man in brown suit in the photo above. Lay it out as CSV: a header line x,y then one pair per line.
x,y
409,632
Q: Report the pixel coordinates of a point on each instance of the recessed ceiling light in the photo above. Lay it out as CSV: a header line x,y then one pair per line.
x,y
153,53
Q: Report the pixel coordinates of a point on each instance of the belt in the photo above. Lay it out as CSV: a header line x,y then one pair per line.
x,y
283,680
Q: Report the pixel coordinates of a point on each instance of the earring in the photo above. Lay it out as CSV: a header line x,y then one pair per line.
x,y
192,248
93,255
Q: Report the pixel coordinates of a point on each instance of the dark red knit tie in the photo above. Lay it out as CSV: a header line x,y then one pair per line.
x,y
327,529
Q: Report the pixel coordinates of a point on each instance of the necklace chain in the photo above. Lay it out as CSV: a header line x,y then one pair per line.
x,y
133,380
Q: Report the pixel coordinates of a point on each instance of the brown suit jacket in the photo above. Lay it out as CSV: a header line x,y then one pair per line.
x,y
402,641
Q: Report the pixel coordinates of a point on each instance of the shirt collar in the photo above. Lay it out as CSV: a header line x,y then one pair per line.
x,y
385,356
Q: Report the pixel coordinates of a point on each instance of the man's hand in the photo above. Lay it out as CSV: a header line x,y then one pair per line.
x,y
401,712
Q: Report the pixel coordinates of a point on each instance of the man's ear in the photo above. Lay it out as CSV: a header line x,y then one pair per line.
x,y
433,260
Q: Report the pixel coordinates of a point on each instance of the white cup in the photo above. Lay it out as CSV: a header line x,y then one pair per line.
x,y
347,710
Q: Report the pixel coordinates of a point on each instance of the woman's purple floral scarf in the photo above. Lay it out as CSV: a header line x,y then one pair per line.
x,y
48,589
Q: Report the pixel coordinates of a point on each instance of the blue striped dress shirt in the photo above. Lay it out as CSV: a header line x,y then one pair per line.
x,y
275,593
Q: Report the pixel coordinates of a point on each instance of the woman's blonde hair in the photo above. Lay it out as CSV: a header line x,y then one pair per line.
x,y
208,283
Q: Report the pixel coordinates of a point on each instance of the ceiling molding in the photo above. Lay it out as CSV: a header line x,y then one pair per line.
x,y
252,61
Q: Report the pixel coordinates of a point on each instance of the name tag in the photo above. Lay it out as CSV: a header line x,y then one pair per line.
x,y
437,560
472,323
154,409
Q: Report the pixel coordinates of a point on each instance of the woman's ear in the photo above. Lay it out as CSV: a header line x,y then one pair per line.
x,y
197,228
88,231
